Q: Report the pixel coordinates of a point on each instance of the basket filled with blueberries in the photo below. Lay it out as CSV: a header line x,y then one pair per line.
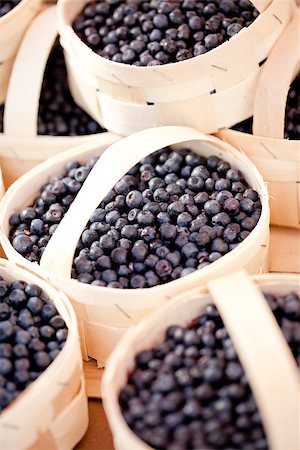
x,y
148,228
40,364
184,380
165,62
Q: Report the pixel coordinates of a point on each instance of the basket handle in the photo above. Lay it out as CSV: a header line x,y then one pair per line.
x,y
23,95
274,83
121,156
264,354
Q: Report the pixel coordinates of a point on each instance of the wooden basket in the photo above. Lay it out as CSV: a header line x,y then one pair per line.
x,y
52,412
276,158
208,92
262,349
20,146
104,314
12,27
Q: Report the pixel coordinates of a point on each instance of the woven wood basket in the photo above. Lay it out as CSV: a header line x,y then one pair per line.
x,y
20,146
52,412
267,360
276,158
208,92
12,27
104,314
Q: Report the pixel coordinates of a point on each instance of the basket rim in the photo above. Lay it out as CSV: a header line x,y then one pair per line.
x,y
10,15
69,30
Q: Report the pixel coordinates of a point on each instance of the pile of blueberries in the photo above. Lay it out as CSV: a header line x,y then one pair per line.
x,y
154,32
171,214
292,114
7,5
191,392
58,113
32,333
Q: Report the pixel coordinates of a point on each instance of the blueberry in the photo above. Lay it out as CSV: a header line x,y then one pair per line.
x,y
5,350
137,281
231,205
37,227
5,366
168,231
17,298
134,199
212,207
42,360
57,322
139,252
145,218
6,331
107,242
62,334
22,337
46,332
119,256
221,219
184,219
233,29
48,311
22,244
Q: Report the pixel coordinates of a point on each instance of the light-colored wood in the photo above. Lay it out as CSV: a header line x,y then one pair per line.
x,y
23,95
284,250
264,354
12,27
173,94
283,258
207,112
93,377
53,409
277,159
20,146
104,314
261,5
181,311
275,79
